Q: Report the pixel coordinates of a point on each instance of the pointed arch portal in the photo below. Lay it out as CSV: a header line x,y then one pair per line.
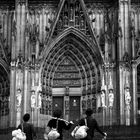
x,y
71,60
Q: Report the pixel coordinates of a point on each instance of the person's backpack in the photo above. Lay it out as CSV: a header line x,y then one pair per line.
x,y
51,134
80,132
19,134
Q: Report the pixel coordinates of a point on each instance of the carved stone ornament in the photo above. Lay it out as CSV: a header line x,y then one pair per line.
x,y
18,98
39,100
127,97
103,98
33,100
111,98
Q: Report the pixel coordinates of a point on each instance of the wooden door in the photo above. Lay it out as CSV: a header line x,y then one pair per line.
x,y
74,108
58,103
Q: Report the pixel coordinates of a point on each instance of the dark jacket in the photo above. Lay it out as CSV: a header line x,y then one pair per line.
x,y
28,130
62,125
92,125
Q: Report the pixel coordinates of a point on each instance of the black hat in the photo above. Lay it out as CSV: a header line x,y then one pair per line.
x,y
26,117
89,112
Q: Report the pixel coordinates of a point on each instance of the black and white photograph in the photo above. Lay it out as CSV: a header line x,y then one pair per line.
x,y
69,69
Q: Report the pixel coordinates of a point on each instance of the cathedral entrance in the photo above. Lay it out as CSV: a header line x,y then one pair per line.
x,y
58,103
70,75
74,108
71,67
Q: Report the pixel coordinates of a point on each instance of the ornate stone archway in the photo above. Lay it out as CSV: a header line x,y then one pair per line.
x,y
72,61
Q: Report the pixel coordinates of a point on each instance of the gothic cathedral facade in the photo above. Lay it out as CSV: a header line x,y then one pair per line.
x,y
70,55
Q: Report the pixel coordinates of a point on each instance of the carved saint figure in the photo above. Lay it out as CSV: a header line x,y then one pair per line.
x,y
127,103
19,98
103,98
111,98
127,97
39,100
33,100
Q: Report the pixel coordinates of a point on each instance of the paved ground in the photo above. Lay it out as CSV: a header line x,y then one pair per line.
x,y
8,137
115,133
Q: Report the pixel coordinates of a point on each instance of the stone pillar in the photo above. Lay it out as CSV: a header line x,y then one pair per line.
x,y
126,25
110,98
23,21
133,35
124,49
134,99
14,30
83,101
66,104
39,105
12,104
33,104
26,91
18,26
19,90
120,98
127,97
121,28
103,98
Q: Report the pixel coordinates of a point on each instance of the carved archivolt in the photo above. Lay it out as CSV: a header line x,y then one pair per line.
x,y
80,69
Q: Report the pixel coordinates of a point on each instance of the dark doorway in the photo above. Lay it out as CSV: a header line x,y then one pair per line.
x,y
74,108
58,103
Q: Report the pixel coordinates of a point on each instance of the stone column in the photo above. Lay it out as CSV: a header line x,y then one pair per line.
x,y
133,35
83,101
14,30
26,91
134,99
20,20
19,91
23,21
33,104
127,97
124,49
66,103
121,28
103,98
126,25
66,107
12,104
120,98
18,26
110,98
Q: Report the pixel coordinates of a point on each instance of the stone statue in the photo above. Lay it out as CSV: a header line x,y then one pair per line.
x,y
39,100
103,98
127,97
111,98
19,98
127,103
33,100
